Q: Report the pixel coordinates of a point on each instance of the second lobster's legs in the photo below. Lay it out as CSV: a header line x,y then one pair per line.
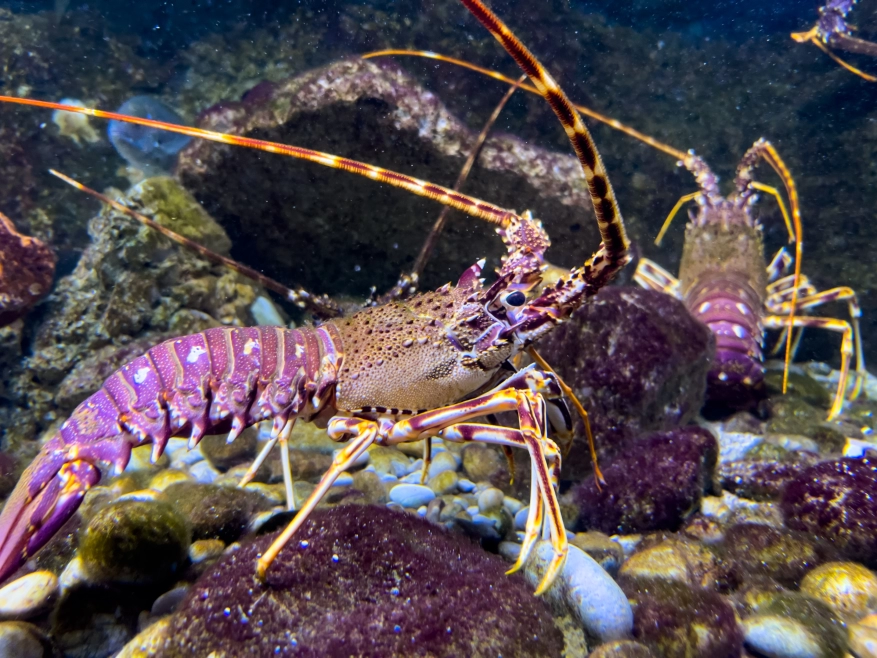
x,y
778,304
524,393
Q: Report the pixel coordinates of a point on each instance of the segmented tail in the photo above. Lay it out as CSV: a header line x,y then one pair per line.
x,y
609,221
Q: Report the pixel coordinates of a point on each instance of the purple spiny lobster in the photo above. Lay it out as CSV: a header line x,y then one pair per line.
x,y
833,30
725,283
432,365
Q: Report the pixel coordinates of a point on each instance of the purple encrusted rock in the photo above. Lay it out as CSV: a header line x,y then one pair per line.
x,y
638,362
837,500
654,487
364,581
761,479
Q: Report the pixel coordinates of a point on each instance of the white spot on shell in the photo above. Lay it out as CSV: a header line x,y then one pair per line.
x,y
140,375
703,308
195,354
249,346
738,331
742,308
723,377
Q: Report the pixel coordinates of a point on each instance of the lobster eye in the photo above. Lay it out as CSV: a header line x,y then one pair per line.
x,y
516,298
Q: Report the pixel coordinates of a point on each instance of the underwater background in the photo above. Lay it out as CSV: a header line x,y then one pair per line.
x,y
724,528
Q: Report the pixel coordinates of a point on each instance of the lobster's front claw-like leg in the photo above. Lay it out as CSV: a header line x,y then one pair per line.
x,y
43,500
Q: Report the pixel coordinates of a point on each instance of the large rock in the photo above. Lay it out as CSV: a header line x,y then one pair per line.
x,y
377,114
27,266
638,362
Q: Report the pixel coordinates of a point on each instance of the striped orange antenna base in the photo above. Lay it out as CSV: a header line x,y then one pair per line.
x,y
462,202
587,111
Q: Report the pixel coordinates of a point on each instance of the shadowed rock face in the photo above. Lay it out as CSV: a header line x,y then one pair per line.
x,y
339,233
26,270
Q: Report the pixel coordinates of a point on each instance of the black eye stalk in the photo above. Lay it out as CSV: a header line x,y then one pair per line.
x,y
516,298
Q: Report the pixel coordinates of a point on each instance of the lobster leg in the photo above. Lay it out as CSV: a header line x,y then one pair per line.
x,y
652,276
846,350
779,264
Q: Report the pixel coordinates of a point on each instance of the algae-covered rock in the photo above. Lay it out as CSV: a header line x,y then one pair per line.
x,y
216,512
224,455
135,541
22,640
654,487
391,584
638,361
849,589
682,561
751,550
683,622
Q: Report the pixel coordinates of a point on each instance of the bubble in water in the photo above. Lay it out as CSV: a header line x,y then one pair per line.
x,y
151,150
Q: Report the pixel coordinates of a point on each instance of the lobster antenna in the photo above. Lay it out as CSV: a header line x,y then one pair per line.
x,y
615,242
469,205
685,198
602,118
855,45
320,304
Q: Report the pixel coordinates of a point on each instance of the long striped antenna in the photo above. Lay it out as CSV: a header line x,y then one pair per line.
x,y
462,202
319,305
615,243
587,111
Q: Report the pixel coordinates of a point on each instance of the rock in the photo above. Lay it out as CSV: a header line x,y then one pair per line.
x,y
224,455
381,602
484,464
150,150
215,512
682,561
638,360
168,602
846,587
490,499
760,479
863,637
583,588
790,625
8,473
837,500
163,479
444,483
205,549
147,643
411,495
389,460
622,649
28,596
363,108
682,622
655,487
799,385
134,541
203,472
373,490
21,640
27,267
607,553
752,550
441,462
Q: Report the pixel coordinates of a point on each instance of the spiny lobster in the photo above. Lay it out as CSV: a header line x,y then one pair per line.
x,y
725,281
425,367
833,30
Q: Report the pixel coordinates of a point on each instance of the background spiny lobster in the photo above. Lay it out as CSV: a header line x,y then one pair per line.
x,y
428,366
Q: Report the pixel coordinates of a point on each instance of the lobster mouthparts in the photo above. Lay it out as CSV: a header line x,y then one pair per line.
x,y
46,496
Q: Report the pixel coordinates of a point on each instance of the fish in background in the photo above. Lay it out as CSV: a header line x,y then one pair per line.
x,y
152,151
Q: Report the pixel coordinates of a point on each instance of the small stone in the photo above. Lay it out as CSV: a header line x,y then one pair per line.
x,y
205,549
484,464
846,587
22,640
223,455
586,590
792,625
265,313
166,478
389,460
601,548
622,649
134,541
863,637
203,472
168,602
373,490
512,505
521,518
490,500
411,495
444,483
73,576
751,549
441,462
28,596
677,560
149,642
141,460
466,485
215,512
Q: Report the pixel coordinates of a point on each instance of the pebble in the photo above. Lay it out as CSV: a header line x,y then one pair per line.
x,y
780,637
205,549
168,602
584,587
863,637
682,561
606,552
444,483
733,446
343,480
622,649
521,518
141,460
21,640
513,505
167,477
148,642
421,511
28,596
265,313
414,477
792,625
441,462
203,472
490,500
389,460
848,588
465,485
74,574
411,495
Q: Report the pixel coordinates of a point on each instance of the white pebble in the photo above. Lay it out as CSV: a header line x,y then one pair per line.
x,y
412,478
265,313
388,477
203,472
521,518
73,575
421,511
512,505
490,499
343,480
20,640
28,596
411,495
733,446
465,485
472,510
780,637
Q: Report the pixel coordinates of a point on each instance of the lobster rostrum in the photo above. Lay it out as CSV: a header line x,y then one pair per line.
x,y
725,282
432,365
